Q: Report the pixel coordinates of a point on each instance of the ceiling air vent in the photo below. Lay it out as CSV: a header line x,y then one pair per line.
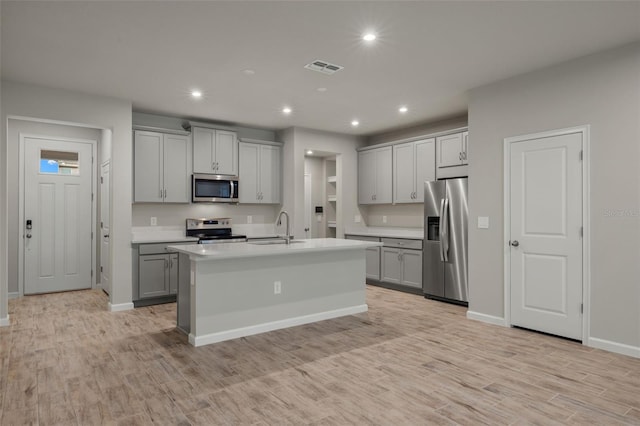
x,y
323,66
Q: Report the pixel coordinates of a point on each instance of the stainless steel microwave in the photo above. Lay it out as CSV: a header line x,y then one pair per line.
x,y
214,189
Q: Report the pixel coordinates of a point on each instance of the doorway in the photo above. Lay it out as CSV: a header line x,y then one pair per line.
x,y
105,205
321,201
546,206
57,213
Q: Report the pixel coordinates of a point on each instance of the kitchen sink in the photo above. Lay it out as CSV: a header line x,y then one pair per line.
x,y
269,242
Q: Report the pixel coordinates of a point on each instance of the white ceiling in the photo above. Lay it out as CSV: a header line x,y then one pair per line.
x,y
427,55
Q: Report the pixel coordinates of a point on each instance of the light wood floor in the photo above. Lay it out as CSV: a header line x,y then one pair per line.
x,y
65,360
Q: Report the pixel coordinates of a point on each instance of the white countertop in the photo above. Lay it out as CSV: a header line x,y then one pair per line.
x,y
376,231
240,250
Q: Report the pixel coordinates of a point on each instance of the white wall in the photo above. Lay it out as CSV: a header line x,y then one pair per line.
x,y
175,214
91,111
603,91
296,142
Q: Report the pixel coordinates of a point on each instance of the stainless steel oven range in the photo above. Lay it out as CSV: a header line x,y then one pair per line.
x,y
213,230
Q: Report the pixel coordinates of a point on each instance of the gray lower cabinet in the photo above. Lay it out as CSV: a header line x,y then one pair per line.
x,y
155,275
401,261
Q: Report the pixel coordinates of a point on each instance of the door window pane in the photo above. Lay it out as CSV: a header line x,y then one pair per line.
x,y
59,162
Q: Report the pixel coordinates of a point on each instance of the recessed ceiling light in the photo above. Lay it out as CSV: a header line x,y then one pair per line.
x,y
321,89
286,110
403,109
369,37
249,72
196,94
309,152
355,123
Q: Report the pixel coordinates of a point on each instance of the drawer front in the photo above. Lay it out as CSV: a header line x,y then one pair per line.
x,y
362,238
159,248
402,243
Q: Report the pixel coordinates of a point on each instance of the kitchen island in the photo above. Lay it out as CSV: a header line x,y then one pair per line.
x,y
226,291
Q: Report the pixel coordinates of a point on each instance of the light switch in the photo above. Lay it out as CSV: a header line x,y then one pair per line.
x,y
153,221
249,219
357,218
384,219
483,222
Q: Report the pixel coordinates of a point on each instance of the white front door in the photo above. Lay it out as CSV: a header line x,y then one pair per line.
x,y
546,234
105,201
57,215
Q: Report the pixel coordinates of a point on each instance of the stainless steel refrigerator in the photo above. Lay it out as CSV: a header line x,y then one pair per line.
x,y
444,257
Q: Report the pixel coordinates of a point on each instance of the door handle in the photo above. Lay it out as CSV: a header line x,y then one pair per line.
x,y
445,245
460,156
106,235
166,264
515,243
441,228
28,235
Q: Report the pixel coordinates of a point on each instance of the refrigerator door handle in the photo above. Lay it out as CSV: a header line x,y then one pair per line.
x,y
445,238
441,236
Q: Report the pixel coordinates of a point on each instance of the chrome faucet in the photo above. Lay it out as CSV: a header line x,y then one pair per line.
x,y
279,222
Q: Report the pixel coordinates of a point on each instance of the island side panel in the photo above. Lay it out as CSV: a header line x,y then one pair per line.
x,y
184,293
235,297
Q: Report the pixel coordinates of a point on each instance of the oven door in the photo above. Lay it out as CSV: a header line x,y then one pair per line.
x,y
214,189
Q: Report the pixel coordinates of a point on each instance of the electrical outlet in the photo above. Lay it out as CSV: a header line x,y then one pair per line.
x,y
249,219
154,221
357,218
277,287
384,219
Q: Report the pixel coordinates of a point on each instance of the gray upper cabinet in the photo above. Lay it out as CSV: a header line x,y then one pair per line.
x,y
259,172
215,151
413,164
452,150
375,176
161,167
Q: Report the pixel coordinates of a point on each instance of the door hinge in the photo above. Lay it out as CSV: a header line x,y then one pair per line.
x,y
101,179
581,231
101,269
581,155
92,196
582,308
91,160
101,225
92,272
92,235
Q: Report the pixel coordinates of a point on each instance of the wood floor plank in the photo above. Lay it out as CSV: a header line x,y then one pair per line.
x,y
407,361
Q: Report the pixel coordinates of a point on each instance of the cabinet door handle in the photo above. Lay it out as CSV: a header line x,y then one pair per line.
x,y
171,263
165,193
161,193
213,166
460,156
166,264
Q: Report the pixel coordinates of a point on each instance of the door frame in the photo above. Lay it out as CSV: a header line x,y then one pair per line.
x,y
21,199
586,225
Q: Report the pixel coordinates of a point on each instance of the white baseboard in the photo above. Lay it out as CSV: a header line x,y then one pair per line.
x,y
14,295
489,319
274,325
619,348
4,322
120,307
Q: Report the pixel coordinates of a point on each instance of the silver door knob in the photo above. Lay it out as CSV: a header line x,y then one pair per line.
x,y
515,243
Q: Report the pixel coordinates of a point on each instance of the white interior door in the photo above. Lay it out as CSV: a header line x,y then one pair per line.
x,y
545,235
105,203
308,221
58,215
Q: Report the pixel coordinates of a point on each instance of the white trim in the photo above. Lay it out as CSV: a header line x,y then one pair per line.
x,y
14,295
489,319
619,348
586,220
5,322
274,325
118,307
21,183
